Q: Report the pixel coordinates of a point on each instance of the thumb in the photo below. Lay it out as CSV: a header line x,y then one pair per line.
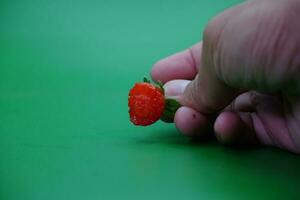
x,y
252,46
207,93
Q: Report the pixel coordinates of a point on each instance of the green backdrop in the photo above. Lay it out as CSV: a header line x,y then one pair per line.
x,y
65,70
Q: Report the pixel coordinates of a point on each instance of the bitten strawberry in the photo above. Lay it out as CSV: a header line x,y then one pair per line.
x,y
147,104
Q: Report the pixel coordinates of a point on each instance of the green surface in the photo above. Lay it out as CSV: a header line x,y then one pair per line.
x,y
65,70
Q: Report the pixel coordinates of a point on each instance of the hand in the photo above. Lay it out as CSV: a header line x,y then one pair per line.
x,y
243,79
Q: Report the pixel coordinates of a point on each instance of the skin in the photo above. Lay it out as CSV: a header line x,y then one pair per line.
x,y
243,79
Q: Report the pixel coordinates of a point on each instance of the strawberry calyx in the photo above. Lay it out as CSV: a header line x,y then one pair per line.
x,y
171,106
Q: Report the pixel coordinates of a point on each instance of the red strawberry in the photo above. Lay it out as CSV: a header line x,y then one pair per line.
x,y
147,104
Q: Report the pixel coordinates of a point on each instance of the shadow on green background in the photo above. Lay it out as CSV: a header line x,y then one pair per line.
x,y
65,70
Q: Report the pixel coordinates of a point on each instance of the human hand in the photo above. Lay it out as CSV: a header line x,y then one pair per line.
x,y
245,73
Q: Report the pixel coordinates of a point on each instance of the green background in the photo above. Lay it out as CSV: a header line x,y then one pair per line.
x,y
65,71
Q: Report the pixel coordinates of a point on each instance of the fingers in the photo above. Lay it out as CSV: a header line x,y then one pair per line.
x,y
235,129
188,121
192,123
246,102
244,129
208,92
182,65
231,128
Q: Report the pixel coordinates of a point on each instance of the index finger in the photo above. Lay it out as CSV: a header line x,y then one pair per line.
x,y
182,65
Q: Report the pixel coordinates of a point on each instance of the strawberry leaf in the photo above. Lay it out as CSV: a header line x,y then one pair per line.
x,y
160,85
146,80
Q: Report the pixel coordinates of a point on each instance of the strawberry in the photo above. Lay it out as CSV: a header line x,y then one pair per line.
x,y
147,104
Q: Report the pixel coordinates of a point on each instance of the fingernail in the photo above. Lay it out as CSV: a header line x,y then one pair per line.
x,y
175,87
